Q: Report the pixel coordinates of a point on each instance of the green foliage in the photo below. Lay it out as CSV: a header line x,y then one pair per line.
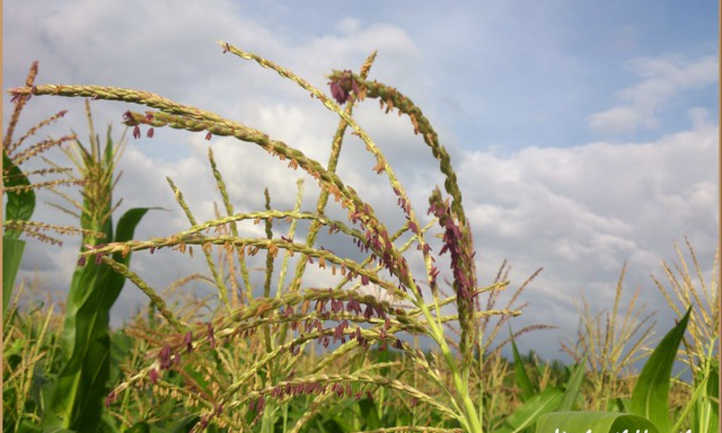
x,y
75,400
539,402
650,398
20,203
77,396
649,404
522,378
19,206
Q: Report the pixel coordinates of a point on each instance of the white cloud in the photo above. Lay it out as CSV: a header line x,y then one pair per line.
x,y
662,79
348,25
581,212
699,117
621,119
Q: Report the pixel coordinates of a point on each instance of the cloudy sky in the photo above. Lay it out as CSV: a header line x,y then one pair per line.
x,y
583,134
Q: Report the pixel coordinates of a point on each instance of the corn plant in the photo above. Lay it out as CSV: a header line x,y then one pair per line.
x,y
699,351
248,393
648,409
605,344
491,371
75,399
31,356
704,321
21,193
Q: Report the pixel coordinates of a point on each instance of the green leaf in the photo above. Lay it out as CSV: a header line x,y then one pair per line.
x,y
369,414
650,395
185,424
331,425
111,281
121,346
20,204
622,404
597,422
107,424
15,348
520,375
713,382
59,430
573,386
526,415
79,392
108,152
705,416
140,427
28,427
12,256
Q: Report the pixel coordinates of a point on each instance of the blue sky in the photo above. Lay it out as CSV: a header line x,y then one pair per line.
x,y
518,68
584,134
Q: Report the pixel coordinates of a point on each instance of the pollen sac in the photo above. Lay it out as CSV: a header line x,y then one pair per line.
x,y
153,375
413,227
164,356
380,312
339,93
353,306
320,306
336,305
110,399
188,341
368,311
211,338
